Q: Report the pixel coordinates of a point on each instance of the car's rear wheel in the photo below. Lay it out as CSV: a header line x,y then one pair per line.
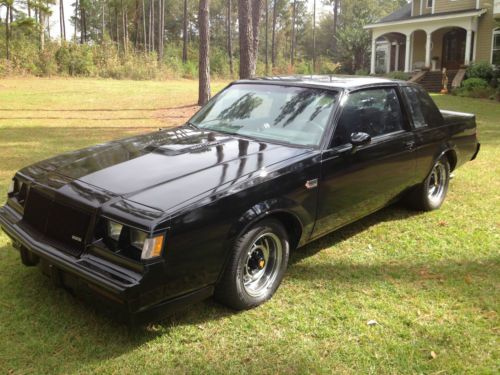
x,y
431,193
256,266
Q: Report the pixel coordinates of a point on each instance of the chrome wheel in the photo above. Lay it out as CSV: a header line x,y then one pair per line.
x,y
261,264
437,183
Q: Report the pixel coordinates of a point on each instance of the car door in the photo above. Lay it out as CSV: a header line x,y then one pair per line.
x,y
358,180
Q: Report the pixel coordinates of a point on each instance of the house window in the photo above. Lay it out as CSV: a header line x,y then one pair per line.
x,y
429,3
495,53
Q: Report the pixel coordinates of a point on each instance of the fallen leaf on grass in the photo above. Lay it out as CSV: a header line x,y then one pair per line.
x,y
372,322
433,354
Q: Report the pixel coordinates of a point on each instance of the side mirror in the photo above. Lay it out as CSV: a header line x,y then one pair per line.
x,y
360,139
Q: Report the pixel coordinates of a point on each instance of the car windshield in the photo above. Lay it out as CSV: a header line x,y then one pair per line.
x,y
294,115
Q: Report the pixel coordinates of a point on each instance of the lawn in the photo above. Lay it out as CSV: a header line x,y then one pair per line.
x,y
431,280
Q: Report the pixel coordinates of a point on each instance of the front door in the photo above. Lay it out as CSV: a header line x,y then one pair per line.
x,y
454,49
356,182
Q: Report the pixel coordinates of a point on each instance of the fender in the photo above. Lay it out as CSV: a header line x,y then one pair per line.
x,y
445,148
269,207
265,209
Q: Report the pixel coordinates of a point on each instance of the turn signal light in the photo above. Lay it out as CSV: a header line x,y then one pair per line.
x,y
152,247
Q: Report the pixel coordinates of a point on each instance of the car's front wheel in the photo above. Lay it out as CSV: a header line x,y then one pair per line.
x,y
256,266
431,193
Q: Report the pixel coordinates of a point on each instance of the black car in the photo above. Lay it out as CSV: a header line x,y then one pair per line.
x,y
215,206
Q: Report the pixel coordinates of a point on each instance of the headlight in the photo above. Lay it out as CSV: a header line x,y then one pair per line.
x,y
114,230
132,241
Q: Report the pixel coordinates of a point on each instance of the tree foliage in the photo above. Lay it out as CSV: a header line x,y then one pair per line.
x,y
126,32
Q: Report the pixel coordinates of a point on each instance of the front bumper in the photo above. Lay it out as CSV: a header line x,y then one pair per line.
x,y
95,278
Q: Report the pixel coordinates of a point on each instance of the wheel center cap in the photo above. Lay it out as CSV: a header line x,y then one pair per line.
x,y
262,263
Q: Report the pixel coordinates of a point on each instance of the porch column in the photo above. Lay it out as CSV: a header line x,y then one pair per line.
x,y
396,63
428,50
374,51
468,45
407,54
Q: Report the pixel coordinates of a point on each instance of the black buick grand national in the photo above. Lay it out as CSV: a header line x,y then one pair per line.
x,y
215,206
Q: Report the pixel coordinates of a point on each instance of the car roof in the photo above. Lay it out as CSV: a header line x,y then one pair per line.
x,y
325,81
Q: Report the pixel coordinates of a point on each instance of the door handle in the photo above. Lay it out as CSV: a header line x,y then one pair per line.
x,y
410,145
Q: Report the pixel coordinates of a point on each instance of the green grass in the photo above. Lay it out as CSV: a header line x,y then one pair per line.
x,y
431,280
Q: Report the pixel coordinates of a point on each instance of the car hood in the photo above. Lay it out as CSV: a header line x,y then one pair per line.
x,y
165,168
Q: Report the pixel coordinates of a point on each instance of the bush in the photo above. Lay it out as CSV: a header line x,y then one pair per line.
x,y
481,70
399,75
362,72
474,88
473,83
75,60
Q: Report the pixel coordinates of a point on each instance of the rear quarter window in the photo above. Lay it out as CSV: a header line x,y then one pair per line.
x,y
422,108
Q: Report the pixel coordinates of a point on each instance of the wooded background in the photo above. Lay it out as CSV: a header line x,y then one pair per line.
x,y
145,39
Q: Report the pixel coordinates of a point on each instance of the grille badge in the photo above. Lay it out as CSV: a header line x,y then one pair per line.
x,y
76,238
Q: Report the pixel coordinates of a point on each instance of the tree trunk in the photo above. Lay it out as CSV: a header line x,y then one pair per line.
x,y
7,33
204,67
150,27
256,16
76,21
41,20
292,41
103,22
245,26
28,4
153,25
117,27
314,37
62,21
48,19
144,39
161,9
230,37
273,37
267,38
124,26
82,26
335,20
136,25
184,33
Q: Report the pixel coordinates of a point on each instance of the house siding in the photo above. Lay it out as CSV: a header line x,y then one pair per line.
x,y
416,8
451,6
486,25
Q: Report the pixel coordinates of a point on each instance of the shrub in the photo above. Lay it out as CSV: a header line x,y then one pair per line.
x,y
472,83
362,72
481,70
399,75
327,66
474,88
75,59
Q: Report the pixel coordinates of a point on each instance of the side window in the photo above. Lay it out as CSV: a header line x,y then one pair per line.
x,y
414,106
422,108
374,111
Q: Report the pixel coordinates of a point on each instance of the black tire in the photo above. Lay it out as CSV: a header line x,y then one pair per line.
x,y
236,288
431,193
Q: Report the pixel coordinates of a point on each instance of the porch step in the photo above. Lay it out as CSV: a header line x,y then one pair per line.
x,y
431,81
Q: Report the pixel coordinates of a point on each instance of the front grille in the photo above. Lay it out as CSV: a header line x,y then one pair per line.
x,y
62,226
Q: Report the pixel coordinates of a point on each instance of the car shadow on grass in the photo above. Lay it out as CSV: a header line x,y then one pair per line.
x,y
394,212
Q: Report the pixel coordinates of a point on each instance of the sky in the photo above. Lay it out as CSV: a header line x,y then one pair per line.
x,y
69,10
